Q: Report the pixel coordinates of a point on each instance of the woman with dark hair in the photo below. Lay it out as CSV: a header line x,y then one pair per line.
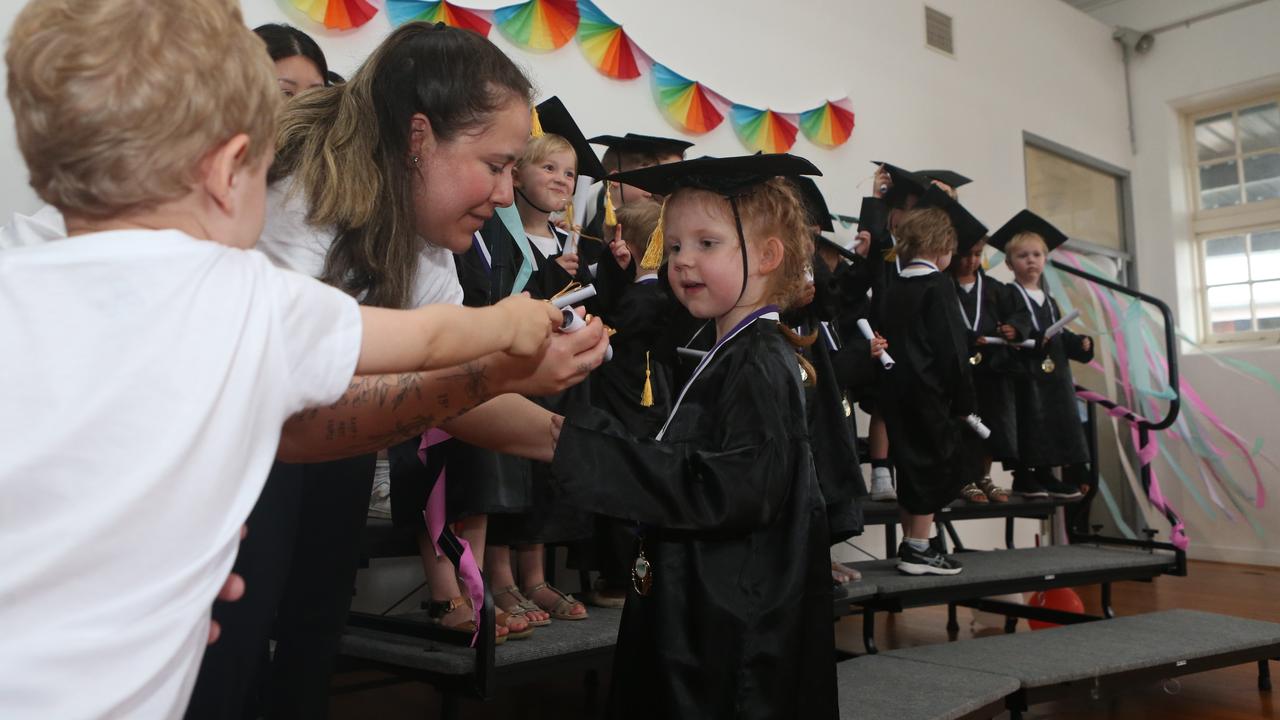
x,y
376,183
300,64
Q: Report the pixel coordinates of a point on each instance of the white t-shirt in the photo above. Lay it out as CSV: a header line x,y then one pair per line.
x,y
43,225
145,377
292,243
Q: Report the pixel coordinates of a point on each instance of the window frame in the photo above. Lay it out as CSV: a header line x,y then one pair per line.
x,y
1245,218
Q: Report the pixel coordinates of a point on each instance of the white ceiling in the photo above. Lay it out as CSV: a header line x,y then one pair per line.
x,y
1148,14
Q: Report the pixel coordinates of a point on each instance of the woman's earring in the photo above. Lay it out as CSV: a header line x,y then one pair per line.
x,y
416,159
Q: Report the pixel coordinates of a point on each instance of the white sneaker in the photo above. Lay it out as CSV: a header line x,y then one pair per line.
x,y
380,498
882,485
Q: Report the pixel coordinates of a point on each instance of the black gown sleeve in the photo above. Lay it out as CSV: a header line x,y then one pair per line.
x,y
945,326
735,479
1013,311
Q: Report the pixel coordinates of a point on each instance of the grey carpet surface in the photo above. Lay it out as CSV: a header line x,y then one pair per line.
x,y
879,686
1000,565
561,637
1079,652
855,591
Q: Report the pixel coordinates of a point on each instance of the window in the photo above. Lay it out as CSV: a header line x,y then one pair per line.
x,y
1235,171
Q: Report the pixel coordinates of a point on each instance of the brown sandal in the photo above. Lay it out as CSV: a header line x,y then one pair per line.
x,y
996,493
521,607
502,618
972,493
438,609
560,611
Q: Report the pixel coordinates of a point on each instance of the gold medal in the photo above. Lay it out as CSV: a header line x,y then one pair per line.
x,y
1047,365
975,358
804,375
642,573
848,409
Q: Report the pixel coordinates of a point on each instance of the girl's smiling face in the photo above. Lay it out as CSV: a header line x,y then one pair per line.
x,y
549,183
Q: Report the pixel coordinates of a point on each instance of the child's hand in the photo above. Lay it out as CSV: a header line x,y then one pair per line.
x,y
557,424
530,322
569,261
982,340
863,247
878,346
1008,332
621,253
806,295
1086,344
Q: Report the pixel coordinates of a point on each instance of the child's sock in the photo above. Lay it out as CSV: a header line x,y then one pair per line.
x,y
917,544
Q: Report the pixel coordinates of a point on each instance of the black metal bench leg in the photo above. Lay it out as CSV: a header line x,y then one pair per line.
x,y
1107,611
869,631
1264,674
890,541
449,709
1010,624
1008,533
591,685
953,626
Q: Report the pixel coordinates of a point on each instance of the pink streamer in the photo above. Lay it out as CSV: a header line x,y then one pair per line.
x,y
434,515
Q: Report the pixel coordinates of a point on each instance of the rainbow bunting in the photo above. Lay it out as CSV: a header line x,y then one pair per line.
x,y
829,124
539,24
689,105
607,46
439,11
764,130
337,14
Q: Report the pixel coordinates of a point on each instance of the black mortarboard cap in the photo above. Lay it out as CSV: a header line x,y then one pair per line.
x,y
729,176
650,144
949,178
814,204
969,230
555,119
873,217
905,183
1027,221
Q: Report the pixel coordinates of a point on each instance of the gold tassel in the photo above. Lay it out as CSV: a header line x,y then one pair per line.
x,y
568,215
535,125
610,217
646,395
652,259
891,254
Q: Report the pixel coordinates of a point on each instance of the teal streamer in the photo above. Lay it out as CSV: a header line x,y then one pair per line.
x,y
1104,489
510,217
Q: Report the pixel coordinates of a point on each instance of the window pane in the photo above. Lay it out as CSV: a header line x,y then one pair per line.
x,y
1262,176
1264,260
1229,309
1260,127
1266,303
1225,261
1215,138
1081,201
1219,185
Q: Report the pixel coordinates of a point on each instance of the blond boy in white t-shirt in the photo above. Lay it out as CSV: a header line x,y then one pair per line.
x,y
149,359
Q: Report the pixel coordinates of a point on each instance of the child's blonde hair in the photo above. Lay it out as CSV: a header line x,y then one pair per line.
x,y
1024,238
925,233
117,102
638,219
542,147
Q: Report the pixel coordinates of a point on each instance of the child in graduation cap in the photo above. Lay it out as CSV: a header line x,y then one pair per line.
x,y
928,393
1050,433
731,605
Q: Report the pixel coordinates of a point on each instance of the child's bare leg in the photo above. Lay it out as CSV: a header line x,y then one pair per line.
x,y
498,568
530,560
881,478
916,527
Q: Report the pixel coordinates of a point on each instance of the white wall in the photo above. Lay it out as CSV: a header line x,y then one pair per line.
x,y
1231,54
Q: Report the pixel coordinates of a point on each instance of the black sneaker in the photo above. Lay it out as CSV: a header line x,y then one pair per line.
x,y
1062,490
927,562
1029,487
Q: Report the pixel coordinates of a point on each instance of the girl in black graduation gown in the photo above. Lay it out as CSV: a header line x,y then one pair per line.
x,y
929,391
1050,432
989,308
731,613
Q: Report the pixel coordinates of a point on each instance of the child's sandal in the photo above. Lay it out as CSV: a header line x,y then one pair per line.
x,y
563,606
994,492
972,493
510,621
520,605
438,609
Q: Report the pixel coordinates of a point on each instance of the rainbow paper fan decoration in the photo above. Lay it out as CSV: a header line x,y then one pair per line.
x,y
764,130
539,24
607,46
829,124
688,104
337,14
439,11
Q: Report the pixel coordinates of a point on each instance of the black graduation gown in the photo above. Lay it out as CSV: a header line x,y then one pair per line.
x,y
993,364
482,481
616,386
738,621
1049,429
928,392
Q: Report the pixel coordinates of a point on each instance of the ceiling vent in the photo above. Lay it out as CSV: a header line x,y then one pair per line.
x,y
938,31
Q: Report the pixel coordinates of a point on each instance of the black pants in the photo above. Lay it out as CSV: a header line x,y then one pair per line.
x,y
299,564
